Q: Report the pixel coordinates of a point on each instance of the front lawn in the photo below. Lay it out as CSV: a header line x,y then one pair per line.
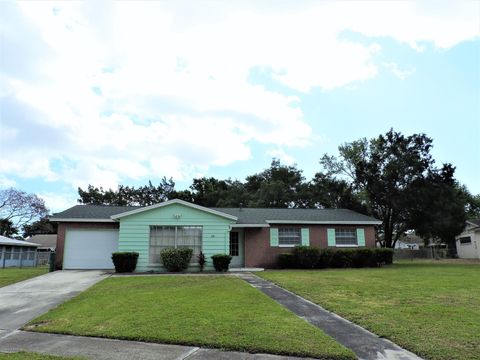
x,y
12,275
212,311
430,308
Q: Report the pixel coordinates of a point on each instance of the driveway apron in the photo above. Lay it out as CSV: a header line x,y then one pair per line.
x,y
25,300
366,345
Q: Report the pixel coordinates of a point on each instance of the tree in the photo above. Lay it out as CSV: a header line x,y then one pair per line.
x,y
19,208
42,226
7,229
329,192
128,196
279,186
212,192
390,171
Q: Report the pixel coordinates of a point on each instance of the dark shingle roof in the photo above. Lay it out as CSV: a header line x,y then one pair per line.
x,y
244,215
262,215
101,212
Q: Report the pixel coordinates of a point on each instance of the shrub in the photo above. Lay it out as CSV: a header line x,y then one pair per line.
x,y
125,261
285,261
221,262
325,258
305,257
363,257
384,256
176,259
342,258
202,260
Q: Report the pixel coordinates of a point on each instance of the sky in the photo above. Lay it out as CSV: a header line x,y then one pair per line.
x,y
109,93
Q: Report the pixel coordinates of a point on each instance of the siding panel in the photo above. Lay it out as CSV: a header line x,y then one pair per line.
x,y
135,231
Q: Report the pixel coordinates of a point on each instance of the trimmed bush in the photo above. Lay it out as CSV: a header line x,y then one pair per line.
x,y
384,256
176,260
364,258
125,261
285,261
306,257
342,258
221,262
325,258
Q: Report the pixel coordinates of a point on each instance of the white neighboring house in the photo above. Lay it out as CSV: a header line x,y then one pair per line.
x,y
468,242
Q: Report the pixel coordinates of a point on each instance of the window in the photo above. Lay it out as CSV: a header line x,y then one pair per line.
x,y
289,236
465,240
234,244
162,237
346,237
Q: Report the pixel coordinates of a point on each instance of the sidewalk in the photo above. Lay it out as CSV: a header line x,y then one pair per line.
x,y
109,349
366,345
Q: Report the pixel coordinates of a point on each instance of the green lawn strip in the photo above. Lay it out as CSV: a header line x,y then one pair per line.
x,y
431,309
12,275
212,311
34,356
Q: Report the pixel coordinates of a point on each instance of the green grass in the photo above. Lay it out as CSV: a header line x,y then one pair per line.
x,y
12,275
213,311
33,356
430,308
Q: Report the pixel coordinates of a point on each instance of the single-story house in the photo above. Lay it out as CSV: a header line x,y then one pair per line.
x,y
17,253
46,242
468,242
254,237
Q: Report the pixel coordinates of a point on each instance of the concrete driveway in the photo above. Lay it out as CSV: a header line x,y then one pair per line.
x,y
25,300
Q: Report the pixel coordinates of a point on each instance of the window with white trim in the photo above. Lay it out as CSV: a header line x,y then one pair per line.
x,y
162,237
289,236
346,237
465,240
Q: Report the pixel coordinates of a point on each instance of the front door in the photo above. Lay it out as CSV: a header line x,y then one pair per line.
x,y
236,249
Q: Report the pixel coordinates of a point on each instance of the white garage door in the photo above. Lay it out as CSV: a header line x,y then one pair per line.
x,y
89,249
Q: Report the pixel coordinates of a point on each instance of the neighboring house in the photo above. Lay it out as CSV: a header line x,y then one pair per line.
x,y
88,234
46,242
411,241
17,253
468,242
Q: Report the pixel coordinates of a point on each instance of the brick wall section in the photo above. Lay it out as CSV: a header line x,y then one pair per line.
x,y
63,226
259,253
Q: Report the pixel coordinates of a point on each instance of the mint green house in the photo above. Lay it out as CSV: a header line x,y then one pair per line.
x,y
254,237
164,225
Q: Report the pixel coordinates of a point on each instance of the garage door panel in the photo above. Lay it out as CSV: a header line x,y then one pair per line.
x,y
89,248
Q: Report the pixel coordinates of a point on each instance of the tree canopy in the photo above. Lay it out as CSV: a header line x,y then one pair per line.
x,y
18,208
392,177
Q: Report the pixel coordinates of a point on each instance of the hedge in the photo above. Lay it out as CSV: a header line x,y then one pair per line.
x,y
125,261
221,262
176,259
306,257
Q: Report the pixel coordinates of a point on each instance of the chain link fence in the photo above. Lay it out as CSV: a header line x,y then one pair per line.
x,y
424,253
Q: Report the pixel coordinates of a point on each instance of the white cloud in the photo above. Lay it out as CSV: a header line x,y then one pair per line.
x,y
55,202
282,156
402,74
131,90
5,182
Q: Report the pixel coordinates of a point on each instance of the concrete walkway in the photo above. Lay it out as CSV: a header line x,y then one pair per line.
x,y
25,300
364,344
109,349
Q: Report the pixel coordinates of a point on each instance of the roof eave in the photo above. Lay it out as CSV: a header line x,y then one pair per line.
x,y
170,202
81,220
341,222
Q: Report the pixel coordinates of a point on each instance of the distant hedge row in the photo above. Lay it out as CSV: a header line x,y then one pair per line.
x,y
306,257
